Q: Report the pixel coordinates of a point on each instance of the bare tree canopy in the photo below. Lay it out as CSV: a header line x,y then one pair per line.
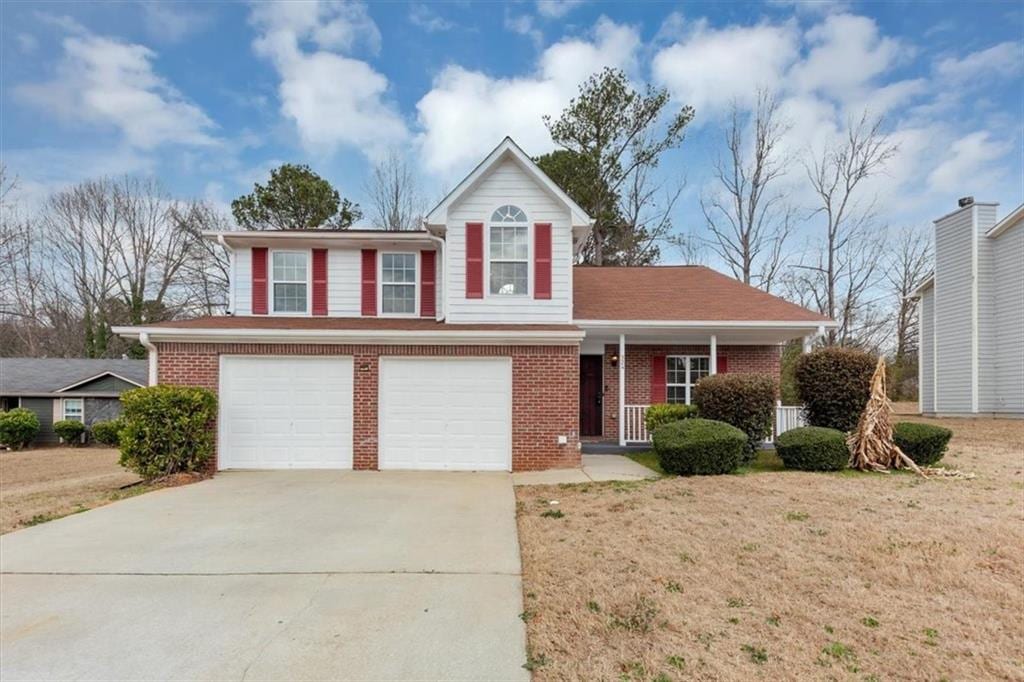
x,y
748,216
394,194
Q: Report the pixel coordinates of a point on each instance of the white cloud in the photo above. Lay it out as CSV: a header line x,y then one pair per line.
x,y
27,43
333,99
430,21
1003,59
104,81
524,25
709,68
171,23
968,164
468,111
556,9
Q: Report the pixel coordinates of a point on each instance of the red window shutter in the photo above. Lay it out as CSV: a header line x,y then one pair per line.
x,y
369,282
428,283
542,260
474,260
259,281
319,281
722,364
657,379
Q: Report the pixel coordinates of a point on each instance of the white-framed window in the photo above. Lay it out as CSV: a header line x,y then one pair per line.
x,y
509,252
289,288
74,409
682,372
398,283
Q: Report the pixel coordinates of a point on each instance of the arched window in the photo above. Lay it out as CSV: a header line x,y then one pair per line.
x,y
509,251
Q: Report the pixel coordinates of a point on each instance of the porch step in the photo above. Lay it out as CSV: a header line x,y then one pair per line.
x,y
607,448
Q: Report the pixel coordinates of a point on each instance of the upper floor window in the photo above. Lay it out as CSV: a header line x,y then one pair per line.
x,y
682,372
398,283
509,251
290,273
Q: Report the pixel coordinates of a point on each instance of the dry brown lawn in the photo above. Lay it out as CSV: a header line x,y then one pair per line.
x,y
785,575
41,484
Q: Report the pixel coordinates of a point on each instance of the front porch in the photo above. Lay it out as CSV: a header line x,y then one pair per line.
x,y
662,364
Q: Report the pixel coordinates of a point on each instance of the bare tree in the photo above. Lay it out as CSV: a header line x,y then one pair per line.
x,y
205,273
646,207
394,195
908,266
748,218
839,277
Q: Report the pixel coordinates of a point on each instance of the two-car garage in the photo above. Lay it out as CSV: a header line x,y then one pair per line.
x,y
297,412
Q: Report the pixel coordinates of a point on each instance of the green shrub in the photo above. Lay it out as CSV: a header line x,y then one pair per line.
x,y
923,443
166,429
834,385
813,448
746,401
698,446
106,432
666,413
18,427
70,431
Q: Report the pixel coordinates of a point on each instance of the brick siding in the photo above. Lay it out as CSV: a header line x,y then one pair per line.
x,y
764,359
545,391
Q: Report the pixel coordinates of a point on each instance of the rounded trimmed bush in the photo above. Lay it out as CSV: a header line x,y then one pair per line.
x,y
923,443
18,427
813,448
106,432
747,401
70,431
666,413
166,429
834,385
698,447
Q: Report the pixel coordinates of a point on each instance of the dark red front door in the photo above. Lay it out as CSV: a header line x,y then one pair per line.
x,y
590,395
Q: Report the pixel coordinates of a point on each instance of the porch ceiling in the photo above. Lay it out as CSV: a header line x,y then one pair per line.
x,y
750,334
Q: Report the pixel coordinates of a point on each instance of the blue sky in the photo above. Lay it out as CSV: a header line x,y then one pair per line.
x,y
209,96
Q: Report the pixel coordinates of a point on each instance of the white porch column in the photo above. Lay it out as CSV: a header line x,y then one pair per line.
x,y
622,389
713,364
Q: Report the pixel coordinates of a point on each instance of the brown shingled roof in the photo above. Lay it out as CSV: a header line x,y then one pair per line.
x,y
345,323
684,292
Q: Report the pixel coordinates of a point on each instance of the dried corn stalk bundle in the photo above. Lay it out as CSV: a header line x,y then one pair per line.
x,y
871,444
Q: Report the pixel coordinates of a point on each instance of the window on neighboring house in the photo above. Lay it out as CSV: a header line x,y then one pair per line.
x,y
290,281
509,251
74,409
398,283
682,372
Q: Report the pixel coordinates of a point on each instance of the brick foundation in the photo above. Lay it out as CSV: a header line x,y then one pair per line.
x,y
763,359
545,391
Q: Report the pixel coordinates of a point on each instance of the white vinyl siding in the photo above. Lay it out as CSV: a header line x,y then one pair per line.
x,y
343,286
954,345
1008,356
243,282
985,302
926,352
508,183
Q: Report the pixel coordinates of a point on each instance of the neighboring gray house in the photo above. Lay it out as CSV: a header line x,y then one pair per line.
x,y
60,388
972,315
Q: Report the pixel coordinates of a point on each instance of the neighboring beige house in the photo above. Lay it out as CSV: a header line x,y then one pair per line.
x,y
972,315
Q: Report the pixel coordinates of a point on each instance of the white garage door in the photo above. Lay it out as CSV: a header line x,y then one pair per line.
x,y
446,413
285,412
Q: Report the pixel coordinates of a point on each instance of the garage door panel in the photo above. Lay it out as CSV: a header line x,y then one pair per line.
x,y
286,412
445,413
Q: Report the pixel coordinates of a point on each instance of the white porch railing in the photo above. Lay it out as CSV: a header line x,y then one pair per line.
x,y
636,425
786,417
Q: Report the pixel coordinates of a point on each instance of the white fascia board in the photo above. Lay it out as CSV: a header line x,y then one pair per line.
x,y
354,336
94,378
700,324
925,286
439,214
324,237
1014,217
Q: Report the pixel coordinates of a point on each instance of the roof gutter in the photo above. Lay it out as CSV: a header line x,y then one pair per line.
x,y
703,324
443,308
148,345
348,336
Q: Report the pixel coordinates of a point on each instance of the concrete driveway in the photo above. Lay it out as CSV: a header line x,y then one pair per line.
x,y
311,575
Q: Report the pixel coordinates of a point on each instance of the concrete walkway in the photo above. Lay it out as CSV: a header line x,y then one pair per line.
x,y
595,468
310,575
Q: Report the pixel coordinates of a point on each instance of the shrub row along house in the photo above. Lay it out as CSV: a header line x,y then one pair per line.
x,y
56,389
472,344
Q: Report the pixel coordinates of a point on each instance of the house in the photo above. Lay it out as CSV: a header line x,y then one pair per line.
x,y
971,331
472,344
59,388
